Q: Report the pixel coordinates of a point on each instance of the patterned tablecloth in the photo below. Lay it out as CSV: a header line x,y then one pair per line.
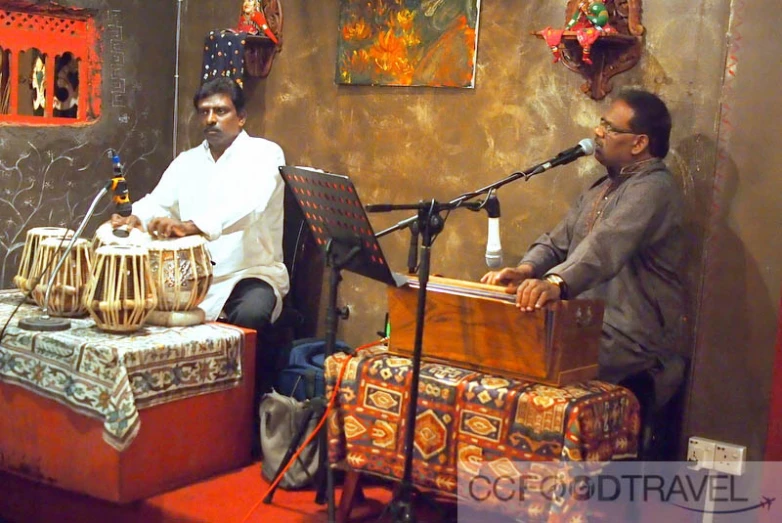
x,y
469,423
112,376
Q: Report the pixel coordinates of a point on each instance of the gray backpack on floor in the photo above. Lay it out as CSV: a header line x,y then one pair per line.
x,y
285,425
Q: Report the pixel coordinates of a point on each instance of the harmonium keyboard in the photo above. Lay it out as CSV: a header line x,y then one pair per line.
x,y
477,326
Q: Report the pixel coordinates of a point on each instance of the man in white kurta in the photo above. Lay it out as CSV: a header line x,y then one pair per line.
x,y
237,203
229,190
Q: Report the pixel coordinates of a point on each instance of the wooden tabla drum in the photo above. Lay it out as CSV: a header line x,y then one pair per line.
x,y
182,271
120,295
65,297
25,278
104,235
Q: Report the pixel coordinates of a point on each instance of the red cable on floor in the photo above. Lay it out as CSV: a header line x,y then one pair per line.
x,y
332,398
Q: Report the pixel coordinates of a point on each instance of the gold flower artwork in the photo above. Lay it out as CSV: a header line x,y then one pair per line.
x,y
408,42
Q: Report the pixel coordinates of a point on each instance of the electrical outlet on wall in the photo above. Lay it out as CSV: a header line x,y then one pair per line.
x,y
729,458
700,453
709,454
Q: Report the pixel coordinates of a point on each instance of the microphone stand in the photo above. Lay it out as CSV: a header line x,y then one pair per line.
x,y
46,322
459,201
429,223
334,248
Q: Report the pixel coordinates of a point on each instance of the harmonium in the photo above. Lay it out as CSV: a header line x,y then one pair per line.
x,y
477,326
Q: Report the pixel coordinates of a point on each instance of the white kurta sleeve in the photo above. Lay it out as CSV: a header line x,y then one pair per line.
x,y
163,201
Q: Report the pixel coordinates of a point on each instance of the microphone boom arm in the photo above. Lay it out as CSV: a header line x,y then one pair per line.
x,y
459,201
584,147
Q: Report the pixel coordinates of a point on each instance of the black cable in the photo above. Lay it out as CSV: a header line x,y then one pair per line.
x,y
295,258
471,207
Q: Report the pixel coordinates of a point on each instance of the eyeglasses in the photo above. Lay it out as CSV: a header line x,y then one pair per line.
x,y
610,129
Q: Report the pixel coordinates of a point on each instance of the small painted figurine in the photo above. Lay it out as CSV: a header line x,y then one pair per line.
x,y
589,21
590,13
553,38
586,37
253,21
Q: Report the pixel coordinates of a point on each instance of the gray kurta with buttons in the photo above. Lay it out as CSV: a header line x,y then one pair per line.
x,y
623,243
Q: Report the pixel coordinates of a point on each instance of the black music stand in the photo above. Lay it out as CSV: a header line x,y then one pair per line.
x,y
336,217
346,224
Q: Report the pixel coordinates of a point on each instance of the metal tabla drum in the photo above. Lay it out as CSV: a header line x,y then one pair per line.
x,y
25,278
68,286
182,271
120,295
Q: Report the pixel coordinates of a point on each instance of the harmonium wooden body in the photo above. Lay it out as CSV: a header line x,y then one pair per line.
x,y
477,326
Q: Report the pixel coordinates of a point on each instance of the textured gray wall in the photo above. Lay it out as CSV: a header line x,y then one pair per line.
x,y
49,175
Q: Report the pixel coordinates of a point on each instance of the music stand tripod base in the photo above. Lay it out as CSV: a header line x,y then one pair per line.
x,y
44,324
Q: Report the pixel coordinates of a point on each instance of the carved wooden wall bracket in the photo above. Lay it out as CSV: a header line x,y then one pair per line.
x,y
260,50
611,53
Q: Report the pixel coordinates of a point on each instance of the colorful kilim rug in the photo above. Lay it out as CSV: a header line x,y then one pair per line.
x,y
469,423
112,376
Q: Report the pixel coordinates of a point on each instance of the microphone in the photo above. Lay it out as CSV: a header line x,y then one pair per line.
x,y
585,147
412,253
493,245
119,186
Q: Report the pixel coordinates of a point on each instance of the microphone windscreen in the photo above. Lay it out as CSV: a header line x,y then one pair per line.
x,y
494,261
588,146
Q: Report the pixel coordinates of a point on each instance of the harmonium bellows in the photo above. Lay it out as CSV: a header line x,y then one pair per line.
x,y
477,326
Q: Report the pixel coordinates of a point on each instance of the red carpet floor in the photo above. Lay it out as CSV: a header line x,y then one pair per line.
x,y
231,498
228,498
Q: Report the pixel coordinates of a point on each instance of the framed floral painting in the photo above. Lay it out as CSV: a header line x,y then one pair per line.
x,y
408,42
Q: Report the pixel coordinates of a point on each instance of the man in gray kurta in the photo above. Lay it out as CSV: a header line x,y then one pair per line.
x,y
622,243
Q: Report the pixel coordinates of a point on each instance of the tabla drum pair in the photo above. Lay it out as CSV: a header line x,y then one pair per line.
x,y
161,282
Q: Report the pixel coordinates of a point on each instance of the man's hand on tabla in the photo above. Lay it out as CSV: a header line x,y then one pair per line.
x,y
167,227
132,221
